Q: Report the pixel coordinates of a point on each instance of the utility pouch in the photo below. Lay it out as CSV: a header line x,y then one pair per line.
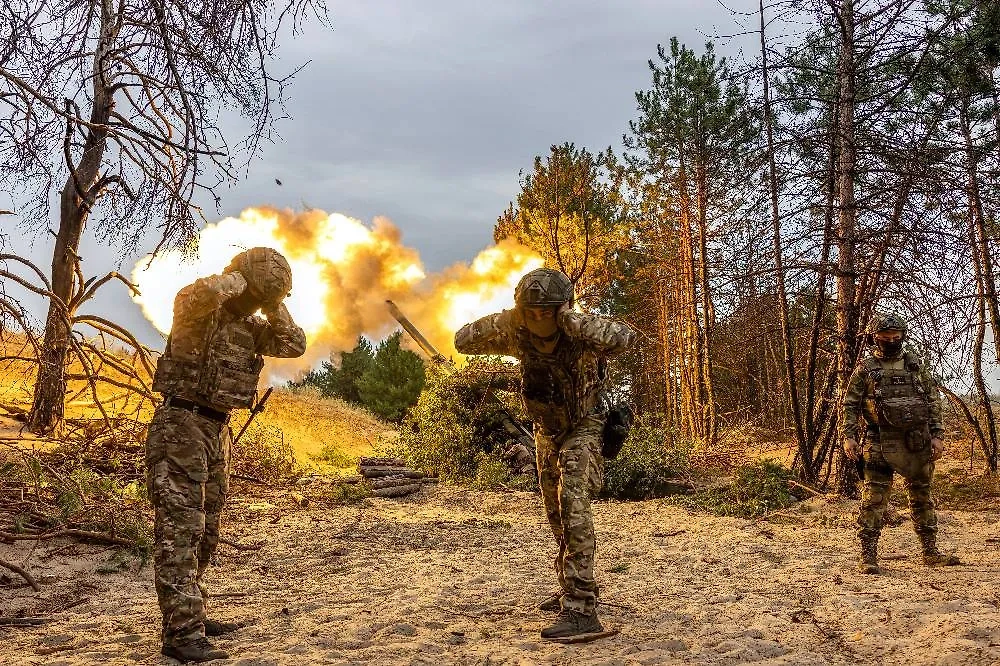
x,y
175,376
905,413
229,386
616,429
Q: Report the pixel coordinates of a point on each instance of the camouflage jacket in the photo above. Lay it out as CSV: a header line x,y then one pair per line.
x,y
213,356
861,397
562,387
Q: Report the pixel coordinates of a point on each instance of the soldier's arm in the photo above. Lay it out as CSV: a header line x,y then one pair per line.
x,y
853,404
280,336
934,398
206,295
493,334
605,336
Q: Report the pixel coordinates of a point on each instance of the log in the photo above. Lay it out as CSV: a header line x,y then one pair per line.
x,y
392,481
397,491
378,472
374,461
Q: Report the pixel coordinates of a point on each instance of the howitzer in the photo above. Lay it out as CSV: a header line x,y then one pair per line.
x,y
513,427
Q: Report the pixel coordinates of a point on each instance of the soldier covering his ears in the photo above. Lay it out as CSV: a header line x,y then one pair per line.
x,y
563,355
898,400
211,366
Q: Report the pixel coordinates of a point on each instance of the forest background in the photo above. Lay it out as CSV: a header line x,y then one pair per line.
x,y
756,218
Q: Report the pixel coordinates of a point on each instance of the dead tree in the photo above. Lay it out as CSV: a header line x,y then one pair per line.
x,y
113,105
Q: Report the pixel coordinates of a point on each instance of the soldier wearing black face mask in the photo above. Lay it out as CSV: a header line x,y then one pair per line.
x,y
897,398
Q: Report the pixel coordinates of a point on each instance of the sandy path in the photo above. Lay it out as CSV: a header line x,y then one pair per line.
x,y
452,576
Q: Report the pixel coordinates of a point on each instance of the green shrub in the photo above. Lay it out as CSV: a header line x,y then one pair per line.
x,y
757,488
454,430
334,457
649,465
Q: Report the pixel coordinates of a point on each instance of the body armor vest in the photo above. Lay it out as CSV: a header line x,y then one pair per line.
x,y
900,406
560,388
899,398
223,377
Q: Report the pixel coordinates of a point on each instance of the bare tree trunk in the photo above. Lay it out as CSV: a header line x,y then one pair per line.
x,y
980,236
847,306
805,450
78,195
707,306
983,293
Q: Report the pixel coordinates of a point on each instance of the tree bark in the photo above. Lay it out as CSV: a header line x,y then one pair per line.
x,y
77,197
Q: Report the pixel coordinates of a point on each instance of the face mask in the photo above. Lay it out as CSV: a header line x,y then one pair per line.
x,y
889,349
543,328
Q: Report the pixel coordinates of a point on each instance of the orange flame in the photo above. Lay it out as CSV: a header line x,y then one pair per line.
x,y
343,272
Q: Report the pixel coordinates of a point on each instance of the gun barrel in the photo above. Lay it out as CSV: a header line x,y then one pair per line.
x,y
417,336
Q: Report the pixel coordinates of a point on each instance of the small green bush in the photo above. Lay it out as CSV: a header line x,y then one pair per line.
x,y
334,457
649,465
454,430
757,489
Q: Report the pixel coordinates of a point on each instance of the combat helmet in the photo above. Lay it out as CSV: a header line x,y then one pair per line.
x,y
889,322
543,287
266,271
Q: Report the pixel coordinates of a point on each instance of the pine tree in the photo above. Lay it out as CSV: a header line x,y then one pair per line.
x,y
392,383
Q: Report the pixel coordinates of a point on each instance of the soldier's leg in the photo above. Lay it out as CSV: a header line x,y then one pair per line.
x,y
874,499
924,516
578,461
176,469
547,459
921,505
216,490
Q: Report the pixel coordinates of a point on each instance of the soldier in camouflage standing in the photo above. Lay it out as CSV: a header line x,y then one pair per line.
x,y
898,400
563,356
211,366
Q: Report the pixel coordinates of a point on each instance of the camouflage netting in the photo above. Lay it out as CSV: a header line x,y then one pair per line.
x,y
454,429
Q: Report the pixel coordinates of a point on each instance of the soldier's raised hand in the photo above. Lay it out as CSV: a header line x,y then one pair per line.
x,y
852,449
937,447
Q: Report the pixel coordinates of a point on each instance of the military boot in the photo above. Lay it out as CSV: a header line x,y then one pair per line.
x,y
934,557
218,628
572,623
869,557
198,650
552,604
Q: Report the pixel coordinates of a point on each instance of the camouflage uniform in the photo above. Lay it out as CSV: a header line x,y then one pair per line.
x,y
211,365
890,449
562,392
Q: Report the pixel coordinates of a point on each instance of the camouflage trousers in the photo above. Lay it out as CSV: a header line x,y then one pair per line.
x,y
882,460
570,473
187,470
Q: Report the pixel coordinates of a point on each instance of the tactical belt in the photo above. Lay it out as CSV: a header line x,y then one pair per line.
x,y
201,410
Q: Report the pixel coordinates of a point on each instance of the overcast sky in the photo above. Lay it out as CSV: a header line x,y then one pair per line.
x,y
425,112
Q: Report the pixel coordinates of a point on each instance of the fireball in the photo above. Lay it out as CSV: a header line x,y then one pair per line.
x,y
343,272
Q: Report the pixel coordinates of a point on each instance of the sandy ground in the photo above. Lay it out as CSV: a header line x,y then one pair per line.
x,y
452,577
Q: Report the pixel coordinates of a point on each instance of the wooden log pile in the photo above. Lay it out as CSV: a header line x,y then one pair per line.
x,y
390,477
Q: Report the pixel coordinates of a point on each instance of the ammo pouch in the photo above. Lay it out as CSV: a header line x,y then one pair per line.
x,y
224,385
175,376
616,429
228,385
904,413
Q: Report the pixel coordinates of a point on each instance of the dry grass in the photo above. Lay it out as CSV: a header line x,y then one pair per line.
x,y
316,427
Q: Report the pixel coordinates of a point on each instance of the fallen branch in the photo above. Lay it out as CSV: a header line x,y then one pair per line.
x,y
79,534
22,573
23,621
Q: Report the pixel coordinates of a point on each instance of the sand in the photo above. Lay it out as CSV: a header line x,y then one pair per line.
x,y
452,576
